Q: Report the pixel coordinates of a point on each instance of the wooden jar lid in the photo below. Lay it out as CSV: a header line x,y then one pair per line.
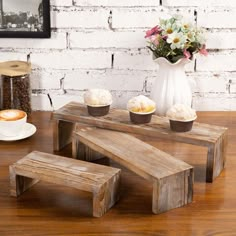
x,y
15,68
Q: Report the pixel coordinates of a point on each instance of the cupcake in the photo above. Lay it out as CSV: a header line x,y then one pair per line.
x,y
98,101
181,117
141,109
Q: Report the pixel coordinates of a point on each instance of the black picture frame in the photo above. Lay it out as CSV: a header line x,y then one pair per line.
x,y
42,29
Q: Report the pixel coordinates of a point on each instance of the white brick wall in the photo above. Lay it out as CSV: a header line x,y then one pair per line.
x,y
107,39
143,17
85,51
217,18
199,3
69,60
80,18
120,3
221,40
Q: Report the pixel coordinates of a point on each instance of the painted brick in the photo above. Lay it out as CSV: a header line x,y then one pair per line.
x,y
201,3
217,18
61,100
45,79
209,83
111,80
221,40
217,62
215,102
142,17
120,98
138,61
41,101
107,39
13,56
120,3
58,3
57,41
85,18
71,60
232,78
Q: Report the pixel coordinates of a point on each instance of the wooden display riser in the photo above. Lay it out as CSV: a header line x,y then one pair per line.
x,y
172,179
211,136
102,181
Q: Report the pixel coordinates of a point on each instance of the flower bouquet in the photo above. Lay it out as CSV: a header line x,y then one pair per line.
x,y
175,38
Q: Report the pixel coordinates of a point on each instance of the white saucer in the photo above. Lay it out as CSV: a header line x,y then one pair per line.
x,y
28,130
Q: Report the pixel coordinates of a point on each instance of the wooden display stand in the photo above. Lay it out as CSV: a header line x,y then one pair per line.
x,y
102,181
172,179
211,136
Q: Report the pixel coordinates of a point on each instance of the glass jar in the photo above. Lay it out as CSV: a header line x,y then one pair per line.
x,y
16,92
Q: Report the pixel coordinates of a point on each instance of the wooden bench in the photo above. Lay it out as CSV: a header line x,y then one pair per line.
x,y
172,179
211,136
101,181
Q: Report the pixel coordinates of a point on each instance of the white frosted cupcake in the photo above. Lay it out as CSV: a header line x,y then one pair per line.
x,y
141,109
181,117
98,101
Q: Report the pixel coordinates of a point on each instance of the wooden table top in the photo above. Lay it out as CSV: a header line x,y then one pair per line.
x,y
48,209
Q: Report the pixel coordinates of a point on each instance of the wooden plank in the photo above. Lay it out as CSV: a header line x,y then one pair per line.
x,y
172,179
19,184
169,193
83,152
102,181
62,133
201,134
142,158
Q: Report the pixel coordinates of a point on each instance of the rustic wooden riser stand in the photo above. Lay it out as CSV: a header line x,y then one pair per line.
x,y
211,136
172,179
102,181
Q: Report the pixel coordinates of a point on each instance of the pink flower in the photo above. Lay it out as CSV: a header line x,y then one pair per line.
x,y
153,31
203,50
187,54
155,39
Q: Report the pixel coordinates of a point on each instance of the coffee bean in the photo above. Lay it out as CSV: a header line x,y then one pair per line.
x,y
16,93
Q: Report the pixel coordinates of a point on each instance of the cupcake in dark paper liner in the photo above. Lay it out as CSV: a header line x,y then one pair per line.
x,y
98,101
181,117
141,109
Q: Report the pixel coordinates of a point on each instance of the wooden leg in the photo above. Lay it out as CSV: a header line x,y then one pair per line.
x,y
83,152
172,192
18,183
107,196
62,132
216,158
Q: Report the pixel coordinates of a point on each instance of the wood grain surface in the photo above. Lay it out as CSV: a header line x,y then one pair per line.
x,y
49,209
172,179
117,119
212,136
102,181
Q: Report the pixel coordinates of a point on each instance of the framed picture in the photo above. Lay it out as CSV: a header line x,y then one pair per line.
x,y
25,19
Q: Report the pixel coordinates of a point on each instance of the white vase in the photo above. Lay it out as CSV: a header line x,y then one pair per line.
x,y
171,85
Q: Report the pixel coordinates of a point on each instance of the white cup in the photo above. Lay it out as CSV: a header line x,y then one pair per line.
x,y
12,122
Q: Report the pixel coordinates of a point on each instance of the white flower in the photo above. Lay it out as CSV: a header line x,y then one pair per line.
x,y
200,37
177,40
191,36
186,25
168,28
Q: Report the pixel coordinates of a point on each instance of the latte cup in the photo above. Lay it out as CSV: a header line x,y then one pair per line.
x,y
12,122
